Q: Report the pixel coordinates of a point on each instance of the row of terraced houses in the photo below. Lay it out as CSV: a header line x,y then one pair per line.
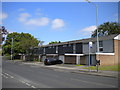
x,y
77,51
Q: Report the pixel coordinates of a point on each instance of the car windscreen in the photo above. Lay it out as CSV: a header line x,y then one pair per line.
x,y
52,59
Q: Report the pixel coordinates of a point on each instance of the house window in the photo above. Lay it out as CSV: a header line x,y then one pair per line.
x,y
100,46
44,50
100,43
100,49
56,49
65,45
69,45
74,48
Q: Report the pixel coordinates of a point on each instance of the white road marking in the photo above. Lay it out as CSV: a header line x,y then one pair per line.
x,y
22,81
8,75
4,76
33,86
27,84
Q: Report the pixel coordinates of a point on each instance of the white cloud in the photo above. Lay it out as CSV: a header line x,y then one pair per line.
x,y
38,9
21,9
10,31
26,19
87,30
116,17
23,17
38,21
57,23
38,12
3,16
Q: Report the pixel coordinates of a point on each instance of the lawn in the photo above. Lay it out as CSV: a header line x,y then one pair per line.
x,y
0,52
79,65
107,68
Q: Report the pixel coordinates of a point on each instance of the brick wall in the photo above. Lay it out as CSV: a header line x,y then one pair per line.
x,y
119,52
106,59
111,59
116,47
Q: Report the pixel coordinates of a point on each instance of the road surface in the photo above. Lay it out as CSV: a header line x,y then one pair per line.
x,y
18,75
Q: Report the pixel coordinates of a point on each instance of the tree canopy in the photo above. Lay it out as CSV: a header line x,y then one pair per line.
x,y
53,42
21,43
107,28
3,31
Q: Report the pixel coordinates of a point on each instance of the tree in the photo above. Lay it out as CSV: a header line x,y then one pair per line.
x,y
41,43
107,28
3,31
21,43
53,42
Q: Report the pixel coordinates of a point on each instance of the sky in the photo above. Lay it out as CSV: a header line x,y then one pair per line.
x,y
56,21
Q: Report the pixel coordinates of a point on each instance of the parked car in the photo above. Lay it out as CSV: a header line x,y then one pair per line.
x,y
52,61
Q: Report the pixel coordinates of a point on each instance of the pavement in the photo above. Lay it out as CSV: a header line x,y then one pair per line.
x,y
74,69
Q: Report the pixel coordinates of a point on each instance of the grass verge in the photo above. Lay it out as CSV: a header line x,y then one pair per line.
x,y
106,68
79,65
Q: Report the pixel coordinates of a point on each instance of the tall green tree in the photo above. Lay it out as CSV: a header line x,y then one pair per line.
x,y
107,28
21,43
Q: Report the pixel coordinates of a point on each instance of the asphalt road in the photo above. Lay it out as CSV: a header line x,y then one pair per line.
x,y
18,75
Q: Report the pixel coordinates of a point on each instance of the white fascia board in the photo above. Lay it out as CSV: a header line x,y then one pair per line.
x,y
67,54
117,37
51,54
105,53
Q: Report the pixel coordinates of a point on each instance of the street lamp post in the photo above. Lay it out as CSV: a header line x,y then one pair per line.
x,y
96,23
90,46
96,29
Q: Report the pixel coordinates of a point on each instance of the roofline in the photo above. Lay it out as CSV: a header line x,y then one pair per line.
x,y
117,37
84,40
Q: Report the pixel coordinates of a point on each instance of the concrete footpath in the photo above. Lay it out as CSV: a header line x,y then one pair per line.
x,y
74,69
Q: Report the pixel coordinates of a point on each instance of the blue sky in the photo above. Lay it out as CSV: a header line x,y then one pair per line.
x,y
56,21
